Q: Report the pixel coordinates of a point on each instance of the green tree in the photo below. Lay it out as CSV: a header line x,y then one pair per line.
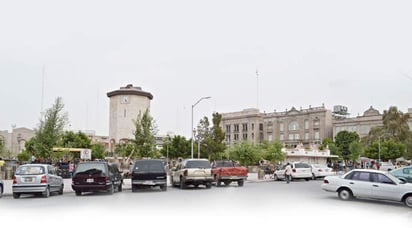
x,y
49,131
271,151
125,150
178,146
388,150
75,140
328,143
23,156
98,151
343,140
144,135
356,150
396,124
244,152
212,138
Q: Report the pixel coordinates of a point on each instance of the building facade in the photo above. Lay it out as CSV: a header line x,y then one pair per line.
x,y
292,127
14,142
126,104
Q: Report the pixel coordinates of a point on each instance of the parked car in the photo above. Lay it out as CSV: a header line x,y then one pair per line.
x,y
368,183
386,166
96,176
300,170
227,172
321,170
403,173
36,179
192,172
1,188
149,173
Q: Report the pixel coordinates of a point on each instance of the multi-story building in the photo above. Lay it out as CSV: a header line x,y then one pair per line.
x,y
14,142
291,127
360,124
126,104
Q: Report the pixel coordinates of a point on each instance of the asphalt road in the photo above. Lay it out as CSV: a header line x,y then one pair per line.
x,y
255,204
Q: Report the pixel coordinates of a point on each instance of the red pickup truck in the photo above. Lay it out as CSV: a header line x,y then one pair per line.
x,y
226,171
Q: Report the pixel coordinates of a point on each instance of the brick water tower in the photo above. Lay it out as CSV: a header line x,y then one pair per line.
x,y
125,105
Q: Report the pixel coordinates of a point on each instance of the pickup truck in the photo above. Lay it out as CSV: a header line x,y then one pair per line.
x,y
227,172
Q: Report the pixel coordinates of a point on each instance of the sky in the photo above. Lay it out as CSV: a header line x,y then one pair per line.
x,y
270,55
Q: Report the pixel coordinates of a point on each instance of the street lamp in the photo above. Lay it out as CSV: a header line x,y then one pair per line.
x,y
203,98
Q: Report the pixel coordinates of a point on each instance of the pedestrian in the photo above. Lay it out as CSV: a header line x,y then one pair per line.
x,y
71,168
288,173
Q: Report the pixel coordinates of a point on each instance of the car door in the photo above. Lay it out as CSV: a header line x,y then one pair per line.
x,y
360,184
384,188
407,173
53,178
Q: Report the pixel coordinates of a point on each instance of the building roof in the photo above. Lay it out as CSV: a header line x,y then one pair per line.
x,y
130,90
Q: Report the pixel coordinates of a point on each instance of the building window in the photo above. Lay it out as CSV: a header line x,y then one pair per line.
x,y
228,128
306,124
244,127
260,127
253,127
306,136
236,126
316,123
281,127
297,136
228,139
270,138
290,136
281,137
245,137
236,137
293,126
317,137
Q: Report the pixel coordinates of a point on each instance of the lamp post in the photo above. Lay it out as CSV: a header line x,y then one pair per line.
x,y
203,98
379,149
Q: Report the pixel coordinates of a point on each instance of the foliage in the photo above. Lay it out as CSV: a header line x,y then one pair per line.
x,y
23,156
124,149
74,140
356,150
388,149
211,138
178,146
396,124
98,151
144,135
328,143
49,131
271,151
244,152
343,140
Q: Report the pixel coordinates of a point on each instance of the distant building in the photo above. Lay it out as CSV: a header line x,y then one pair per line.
x,y
15,141
126,104
360,124
292,127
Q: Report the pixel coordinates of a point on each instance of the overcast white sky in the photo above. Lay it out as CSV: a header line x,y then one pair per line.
x,y
352,53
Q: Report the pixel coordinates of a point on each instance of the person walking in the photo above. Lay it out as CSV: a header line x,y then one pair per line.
x,y
288,173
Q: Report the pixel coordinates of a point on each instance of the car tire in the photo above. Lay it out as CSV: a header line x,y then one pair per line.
x,y
209,185
163,187
345,194
111,189
240,183
16,195
46,193
182,183
61,190
408,201
313,176
227,183
78,193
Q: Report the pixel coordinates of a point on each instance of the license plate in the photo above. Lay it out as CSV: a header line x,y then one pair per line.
x,y
28,179
148,182
90,180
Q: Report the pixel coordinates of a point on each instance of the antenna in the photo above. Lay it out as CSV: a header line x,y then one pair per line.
x,y
257,88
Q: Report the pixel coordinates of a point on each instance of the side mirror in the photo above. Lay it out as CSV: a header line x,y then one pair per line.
x,y
402,180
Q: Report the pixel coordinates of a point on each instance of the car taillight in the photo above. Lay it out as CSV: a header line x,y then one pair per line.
x,y
43,180
185,173
14,180
294,170
320,170
325,181
107,179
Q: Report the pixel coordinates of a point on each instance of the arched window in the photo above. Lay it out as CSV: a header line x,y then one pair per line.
x,y
293,126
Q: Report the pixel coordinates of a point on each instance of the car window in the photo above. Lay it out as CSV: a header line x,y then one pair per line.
x,y
407,171
197,164
360,176
91,168
30,170
380,178
302,165
149,166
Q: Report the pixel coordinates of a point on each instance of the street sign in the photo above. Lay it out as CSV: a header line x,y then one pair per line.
x,y
86,154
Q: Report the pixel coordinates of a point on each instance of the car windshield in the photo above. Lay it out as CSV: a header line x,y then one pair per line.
x,y
320,166
301,165
30,170
148,166
91,168
197,164
224,164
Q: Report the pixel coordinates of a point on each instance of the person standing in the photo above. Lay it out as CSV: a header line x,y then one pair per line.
x,y
288,173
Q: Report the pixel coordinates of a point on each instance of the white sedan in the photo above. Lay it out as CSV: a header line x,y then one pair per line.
x,y
320,170
368,183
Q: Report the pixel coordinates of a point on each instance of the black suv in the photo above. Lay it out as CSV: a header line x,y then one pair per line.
x,y
95,176
149,173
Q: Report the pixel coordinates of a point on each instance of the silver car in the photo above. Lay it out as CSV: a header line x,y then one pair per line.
x,y
36,179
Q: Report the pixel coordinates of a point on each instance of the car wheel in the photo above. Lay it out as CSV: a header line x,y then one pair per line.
x,y
227,183
61,190
240,183
111,189
16,195
46,193
163,187
313,176
182,183
408,201
345,194
208,185
78,193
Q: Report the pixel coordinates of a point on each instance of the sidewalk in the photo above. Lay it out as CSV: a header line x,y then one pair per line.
x,y
252,178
